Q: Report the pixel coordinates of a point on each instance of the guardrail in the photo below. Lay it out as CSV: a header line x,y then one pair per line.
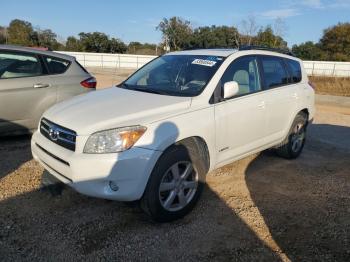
x,y
106,60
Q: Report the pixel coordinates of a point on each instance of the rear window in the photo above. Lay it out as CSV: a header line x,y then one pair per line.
x,y
295,70
56,65
274,71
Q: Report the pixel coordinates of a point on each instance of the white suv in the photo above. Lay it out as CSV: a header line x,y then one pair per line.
x,y
156,136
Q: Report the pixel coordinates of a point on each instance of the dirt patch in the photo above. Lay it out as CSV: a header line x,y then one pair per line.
x,y
107,77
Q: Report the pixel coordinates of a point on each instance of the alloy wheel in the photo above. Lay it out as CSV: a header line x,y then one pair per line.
x,y
178,186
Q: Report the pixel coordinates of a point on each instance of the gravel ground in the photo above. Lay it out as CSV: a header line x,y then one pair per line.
x,y
260,208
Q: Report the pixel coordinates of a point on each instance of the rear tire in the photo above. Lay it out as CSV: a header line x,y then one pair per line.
x,y
293,144
175,184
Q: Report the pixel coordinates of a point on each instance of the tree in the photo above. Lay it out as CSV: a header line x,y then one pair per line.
x,y
336,42
20,33
214,36
143,49
247,31
279,29
308,51
73,44
94,42
44,38
176,32
3,36
47,38
116,46
266,37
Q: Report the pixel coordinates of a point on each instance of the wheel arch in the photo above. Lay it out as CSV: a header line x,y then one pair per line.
x,y
197,146
306,112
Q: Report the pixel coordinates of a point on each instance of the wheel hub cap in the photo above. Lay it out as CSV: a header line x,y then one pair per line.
x,y
178,186
298,137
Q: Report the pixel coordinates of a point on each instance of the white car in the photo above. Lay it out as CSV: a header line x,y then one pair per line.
x,y
156,136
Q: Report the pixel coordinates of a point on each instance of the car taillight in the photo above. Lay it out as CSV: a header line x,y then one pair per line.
x,y
312,85
89,83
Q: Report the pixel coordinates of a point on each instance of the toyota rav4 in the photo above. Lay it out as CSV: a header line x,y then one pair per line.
x,y
155,137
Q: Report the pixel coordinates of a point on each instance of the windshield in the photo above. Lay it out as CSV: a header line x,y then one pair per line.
x,y
177,75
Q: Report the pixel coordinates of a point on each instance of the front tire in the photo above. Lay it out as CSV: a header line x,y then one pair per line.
x,y
293,144
175,184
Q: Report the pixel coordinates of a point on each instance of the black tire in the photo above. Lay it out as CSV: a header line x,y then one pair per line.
x,y
287,148
151,200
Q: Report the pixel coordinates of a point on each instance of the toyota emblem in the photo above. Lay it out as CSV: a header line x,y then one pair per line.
x,y
53,133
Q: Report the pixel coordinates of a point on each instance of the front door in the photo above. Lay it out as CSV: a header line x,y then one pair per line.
x,y
241,120
24,90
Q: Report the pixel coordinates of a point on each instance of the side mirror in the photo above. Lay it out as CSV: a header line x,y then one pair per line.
x,y
230,89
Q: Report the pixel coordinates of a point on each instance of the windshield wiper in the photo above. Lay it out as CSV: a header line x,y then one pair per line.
x,y
142,89
147,90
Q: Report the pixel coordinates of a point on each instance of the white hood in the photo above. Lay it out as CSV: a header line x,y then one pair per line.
x,y
114,107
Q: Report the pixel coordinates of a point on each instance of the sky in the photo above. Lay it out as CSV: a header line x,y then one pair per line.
x,y
134,20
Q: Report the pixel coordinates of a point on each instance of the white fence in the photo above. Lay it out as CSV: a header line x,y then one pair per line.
x,y
322,68
105,60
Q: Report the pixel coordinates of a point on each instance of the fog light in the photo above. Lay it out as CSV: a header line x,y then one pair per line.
x,y
113,186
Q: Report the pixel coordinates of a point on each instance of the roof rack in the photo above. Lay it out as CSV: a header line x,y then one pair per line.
x,y
266,48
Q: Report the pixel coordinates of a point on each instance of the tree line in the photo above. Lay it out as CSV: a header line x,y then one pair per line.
x,y
179,34
22,33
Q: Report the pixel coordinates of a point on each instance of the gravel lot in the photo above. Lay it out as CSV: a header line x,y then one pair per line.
x,y
260,208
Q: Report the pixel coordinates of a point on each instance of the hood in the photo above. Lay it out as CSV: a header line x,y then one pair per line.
x,y
114,107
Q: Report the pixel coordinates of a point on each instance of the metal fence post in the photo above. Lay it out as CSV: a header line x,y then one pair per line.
x,y
334,69
137,62
84,59
313,68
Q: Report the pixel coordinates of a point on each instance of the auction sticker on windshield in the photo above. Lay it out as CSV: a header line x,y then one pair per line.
x,y
203,62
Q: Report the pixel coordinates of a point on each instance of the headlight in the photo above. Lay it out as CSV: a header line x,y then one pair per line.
x,y
113,140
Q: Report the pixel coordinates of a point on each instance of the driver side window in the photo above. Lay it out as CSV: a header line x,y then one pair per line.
x,y
245,72
14,65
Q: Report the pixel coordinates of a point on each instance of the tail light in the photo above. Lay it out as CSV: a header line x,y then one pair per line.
x,y
89,83
312,85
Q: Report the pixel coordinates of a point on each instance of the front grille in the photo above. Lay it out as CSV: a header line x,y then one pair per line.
x,y
58,134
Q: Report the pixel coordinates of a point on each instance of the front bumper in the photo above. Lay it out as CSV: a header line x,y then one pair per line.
x,y
91,174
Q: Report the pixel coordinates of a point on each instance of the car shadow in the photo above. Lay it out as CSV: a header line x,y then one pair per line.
x,y
14,147
305,202
302,203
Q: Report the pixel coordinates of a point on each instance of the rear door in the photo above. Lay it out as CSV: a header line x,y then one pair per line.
x,y
66,76
282,99
25,90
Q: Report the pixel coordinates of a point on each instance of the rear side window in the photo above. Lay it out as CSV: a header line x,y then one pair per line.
x,y
14,65
295,70
56,65
274,71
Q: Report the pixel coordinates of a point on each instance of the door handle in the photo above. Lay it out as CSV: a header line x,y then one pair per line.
x,y
295,95
40,85
261,104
